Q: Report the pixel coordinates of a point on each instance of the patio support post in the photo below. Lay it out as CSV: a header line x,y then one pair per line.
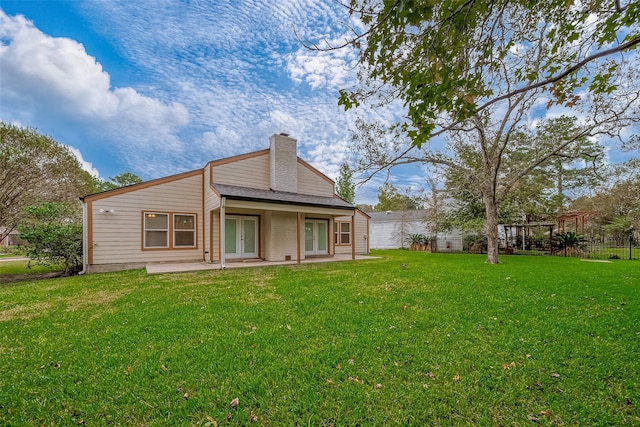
x,y
299,220
353,236
222,232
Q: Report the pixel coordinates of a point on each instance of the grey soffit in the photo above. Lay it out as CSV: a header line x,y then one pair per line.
x,y
233,192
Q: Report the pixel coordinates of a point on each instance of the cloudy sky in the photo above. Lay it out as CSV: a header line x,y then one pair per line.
x,y
160,87
157,87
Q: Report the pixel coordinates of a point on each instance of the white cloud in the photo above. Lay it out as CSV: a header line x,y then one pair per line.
x,y
87,166
320,69
55,77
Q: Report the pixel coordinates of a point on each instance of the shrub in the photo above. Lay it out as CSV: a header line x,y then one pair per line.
x,y
53,235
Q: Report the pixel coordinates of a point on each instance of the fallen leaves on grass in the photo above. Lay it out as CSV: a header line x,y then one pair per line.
x,y
456,377
253,417
555,375
507,366
234,403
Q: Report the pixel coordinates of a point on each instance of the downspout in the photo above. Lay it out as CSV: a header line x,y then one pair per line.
x,y
222,233
84,238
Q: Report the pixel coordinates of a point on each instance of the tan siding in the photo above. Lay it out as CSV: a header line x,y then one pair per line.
x,y
251,172
309,182
283,236
361,230
117,235
362,233
211,204
215,244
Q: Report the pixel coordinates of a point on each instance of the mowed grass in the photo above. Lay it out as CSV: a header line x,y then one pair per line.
x,y
22,267
408,339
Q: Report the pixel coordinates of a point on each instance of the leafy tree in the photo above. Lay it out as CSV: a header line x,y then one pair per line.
x,y
365,208
579,168
435,218
53,232
121,180
390,199
345,187
476,71
34,168
615,206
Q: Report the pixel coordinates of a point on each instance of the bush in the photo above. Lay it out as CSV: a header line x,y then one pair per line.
x,y
53,235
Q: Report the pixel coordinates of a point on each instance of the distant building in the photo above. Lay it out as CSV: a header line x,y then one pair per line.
x,y
11,239
390,230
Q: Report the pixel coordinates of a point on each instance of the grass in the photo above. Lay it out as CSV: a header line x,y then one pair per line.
x,y
594,252
408,339
26,267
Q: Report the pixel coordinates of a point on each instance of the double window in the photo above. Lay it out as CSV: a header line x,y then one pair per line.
x,y
169,230
342,233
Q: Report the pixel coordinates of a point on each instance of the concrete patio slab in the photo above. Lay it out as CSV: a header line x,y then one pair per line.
x,y
179,267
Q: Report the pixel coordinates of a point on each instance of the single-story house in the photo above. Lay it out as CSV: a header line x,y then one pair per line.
x,y
391,229
265,205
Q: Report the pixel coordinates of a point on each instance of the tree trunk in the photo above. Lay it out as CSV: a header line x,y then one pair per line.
x,y
491,208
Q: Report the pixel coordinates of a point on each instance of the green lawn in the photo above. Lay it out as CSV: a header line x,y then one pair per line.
x,y
25,267
409,339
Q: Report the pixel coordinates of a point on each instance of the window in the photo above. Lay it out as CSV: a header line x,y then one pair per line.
x,y
156,230
342,235
184,231
169,230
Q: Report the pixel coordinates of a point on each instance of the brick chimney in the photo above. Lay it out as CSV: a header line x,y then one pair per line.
x,y
283,163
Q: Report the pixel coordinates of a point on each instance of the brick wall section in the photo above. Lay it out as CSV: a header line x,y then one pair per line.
x,y
283,163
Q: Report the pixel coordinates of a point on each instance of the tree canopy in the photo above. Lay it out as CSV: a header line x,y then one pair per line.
x,y
392,199
446,59
34,168
480,74
121,180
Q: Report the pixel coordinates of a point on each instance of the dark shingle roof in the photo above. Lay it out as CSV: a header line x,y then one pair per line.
x,y
233,192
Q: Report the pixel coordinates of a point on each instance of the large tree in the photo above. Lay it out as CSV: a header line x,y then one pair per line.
x,y
480,72
34,168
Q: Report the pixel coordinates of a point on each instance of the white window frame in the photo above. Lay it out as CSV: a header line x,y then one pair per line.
x,y
338,233
145,246
176,230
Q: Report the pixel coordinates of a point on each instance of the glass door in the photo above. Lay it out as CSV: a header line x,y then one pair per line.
x,y
316,237
231,237
241,236
249,237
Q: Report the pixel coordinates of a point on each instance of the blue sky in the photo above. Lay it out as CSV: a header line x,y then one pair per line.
x,y
164,86
161,87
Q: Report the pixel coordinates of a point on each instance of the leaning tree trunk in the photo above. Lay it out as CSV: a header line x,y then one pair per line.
x,y
491,208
